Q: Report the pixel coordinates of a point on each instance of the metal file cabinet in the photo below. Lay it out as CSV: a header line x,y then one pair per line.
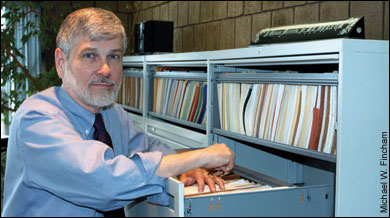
x,y
321,184
284,199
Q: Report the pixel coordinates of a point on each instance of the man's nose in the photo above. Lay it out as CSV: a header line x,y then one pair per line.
x,y
104,70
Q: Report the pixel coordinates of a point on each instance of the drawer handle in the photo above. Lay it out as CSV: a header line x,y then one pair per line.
x,y
211,205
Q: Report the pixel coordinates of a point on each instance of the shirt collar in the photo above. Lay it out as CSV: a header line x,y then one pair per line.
x,y
85,117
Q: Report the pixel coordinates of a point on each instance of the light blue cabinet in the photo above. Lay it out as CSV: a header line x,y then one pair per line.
x,y
345,184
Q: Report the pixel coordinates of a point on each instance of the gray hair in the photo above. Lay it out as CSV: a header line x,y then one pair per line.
x,y
93,23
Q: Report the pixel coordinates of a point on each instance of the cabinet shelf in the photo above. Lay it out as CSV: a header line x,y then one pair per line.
x,y
287,60
131,109
178,121
276,145
179,63
181,75
285,78
132,73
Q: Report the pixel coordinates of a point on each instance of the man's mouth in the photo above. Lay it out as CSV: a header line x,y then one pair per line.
x,y
107,85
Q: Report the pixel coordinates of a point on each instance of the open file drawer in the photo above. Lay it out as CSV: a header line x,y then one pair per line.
x,y
305,198
279,201
303,201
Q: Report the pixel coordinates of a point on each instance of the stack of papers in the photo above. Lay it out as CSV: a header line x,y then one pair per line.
x,y
232,185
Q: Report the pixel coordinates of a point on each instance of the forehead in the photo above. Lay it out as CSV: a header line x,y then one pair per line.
x,y
105,45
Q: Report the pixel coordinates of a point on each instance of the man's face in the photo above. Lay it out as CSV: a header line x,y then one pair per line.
x,y
92,74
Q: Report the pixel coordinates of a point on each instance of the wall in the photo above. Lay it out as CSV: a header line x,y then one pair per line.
x,y
215,25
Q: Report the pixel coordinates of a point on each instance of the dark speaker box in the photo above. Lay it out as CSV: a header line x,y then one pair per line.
x,y
153,36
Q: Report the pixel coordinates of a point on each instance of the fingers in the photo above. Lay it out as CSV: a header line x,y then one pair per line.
x,y
202,177
227,167
219,155
210,182
199,177
220,182
187,179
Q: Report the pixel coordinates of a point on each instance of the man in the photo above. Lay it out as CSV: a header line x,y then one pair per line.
x,y
59,159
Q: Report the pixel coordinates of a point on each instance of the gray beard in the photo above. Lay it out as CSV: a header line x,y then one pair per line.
x,y
101,98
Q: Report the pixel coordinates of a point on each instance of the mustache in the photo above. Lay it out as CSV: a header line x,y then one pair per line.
x,y
102,80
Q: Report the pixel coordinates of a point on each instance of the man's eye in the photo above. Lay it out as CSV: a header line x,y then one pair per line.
x,y
114,56
89,55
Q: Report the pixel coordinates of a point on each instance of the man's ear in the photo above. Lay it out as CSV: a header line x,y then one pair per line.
x,y
60,59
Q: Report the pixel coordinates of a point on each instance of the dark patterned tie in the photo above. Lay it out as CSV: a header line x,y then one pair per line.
x,y
102,135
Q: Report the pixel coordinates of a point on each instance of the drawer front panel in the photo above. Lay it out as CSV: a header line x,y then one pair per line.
x,y
302,201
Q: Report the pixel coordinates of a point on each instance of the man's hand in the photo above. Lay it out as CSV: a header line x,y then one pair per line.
x,y
221,157
201,176
217,156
